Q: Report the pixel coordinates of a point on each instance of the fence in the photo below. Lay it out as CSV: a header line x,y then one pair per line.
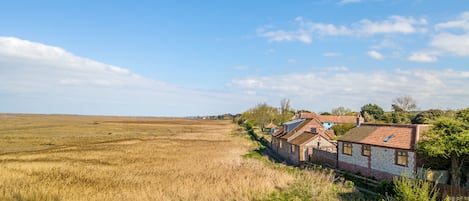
x,y
324,157
454,192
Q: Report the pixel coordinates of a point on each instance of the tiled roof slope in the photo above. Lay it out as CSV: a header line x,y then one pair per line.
x,y
278,132
305,137
270,125
300,128
307,115
385,135
337,119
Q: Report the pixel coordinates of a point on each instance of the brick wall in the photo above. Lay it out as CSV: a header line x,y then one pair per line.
x,y
324,157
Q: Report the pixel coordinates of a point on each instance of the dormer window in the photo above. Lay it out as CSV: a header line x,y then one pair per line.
x,y
314,130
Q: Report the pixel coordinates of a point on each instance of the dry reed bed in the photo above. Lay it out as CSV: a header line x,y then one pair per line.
x,y
56,157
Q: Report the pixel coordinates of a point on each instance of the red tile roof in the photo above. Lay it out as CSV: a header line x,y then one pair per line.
x,y
303,138
300,128
306,127
385,135
337,119
278,132
307,115
270,126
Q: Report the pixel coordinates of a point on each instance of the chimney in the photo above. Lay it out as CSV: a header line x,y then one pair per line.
x,y
359,120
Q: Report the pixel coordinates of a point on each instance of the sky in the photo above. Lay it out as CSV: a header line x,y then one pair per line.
x,y
189,58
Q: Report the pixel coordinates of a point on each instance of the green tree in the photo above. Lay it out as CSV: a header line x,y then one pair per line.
x,y
340,129
426,117
372,110
449,138
261,115
341,111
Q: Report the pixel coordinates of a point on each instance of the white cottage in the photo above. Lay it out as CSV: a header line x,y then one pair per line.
x,y
380,150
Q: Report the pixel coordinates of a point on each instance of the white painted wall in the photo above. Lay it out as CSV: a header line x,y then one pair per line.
x,y
382,159
356,157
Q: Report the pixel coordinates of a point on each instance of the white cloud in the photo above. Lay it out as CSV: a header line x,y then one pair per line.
x,y
37,78
451,38
322,90
305,29
343,2
422,57
386,43
452,43
461,23
281,35
375,55
394,24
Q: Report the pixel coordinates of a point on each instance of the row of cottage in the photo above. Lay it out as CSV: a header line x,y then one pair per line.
x,y
375,150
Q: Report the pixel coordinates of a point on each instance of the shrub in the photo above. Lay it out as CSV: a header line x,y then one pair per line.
x,y
414,189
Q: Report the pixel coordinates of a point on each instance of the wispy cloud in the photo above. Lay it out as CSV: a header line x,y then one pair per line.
x,y
422,57
282,35
451,38
386,44
436,88
394,24
375,55
462,22
305,29
454,37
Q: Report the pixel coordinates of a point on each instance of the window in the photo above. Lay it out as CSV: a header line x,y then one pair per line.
x,y
366,150
347,148
280,143
388,138
292,148
401,158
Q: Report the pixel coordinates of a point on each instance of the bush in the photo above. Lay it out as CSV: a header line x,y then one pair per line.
x,y
414,189
385,187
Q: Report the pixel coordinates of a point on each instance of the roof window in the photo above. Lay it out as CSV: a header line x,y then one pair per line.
x,y
388,138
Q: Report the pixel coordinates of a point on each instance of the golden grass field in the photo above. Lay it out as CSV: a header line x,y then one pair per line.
x,y
67,157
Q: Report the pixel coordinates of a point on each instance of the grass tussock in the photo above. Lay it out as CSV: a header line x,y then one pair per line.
x,y
56,157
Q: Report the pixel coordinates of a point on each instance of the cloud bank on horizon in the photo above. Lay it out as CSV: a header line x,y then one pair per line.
x,y
352,63
45,79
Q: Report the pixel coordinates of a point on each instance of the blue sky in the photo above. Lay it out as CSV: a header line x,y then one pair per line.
x,y
178,58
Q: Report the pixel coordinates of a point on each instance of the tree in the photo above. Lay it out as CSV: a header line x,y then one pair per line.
x,y
426,117
285,110
340,129
449,138
341,111
261,115
372,110
404,103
